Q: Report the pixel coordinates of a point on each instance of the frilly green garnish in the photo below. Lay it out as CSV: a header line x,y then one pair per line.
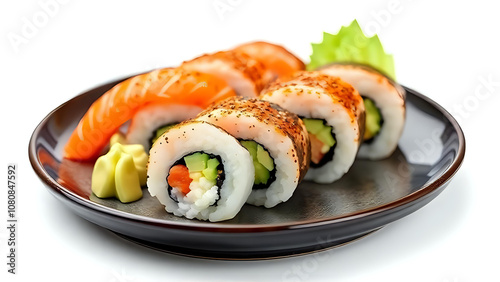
x,y
350,45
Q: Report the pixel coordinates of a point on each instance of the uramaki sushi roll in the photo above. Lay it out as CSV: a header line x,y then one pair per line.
x,y
243,73
385,107
275,62
334,115
192,175
276,139
149,122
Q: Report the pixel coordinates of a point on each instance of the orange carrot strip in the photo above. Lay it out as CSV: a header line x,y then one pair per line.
x,y
178,178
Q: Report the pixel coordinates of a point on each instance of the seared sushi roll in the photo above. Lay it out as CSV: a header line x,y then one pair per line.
x,y
151,121
192,175
278,61
334,115
243,73
385,108
276,139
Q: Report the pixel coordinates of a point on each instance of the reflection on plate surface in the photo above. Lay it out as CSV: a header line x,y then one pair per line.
x,y
371,195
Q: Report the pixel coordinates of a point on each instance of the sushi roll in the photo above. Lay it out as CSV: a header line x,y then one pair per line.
x,y
243,73
193,176
153,120
334,115
385,107
149,122
276,139
278,61
118,105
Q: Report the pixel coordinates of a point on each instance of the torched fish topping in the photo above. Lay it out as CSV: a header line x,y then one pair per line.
x,y
382,79
341,92
284,122
250,68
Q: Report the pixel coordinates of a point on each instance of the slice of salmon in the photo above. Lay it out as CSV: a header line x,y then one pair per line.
x,y
278,61
119,104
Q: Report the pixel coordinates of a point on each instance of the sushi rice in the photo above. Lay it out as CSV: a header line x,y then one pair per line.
x,y
154,116
202,202
389,97
281,133
315,95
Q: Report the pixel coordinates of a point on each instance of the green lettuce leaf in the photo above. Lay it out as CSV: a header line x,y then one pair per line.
x,y
351,45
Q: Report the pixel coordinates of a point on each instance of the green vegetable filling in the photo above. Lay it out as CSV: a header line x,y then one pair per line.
x,y
201,162
262,162
322,139
201,165
321,131
373,121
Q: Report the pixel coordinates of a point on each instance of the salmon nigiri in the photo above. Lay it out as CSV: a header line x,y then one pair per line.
x,y
243,73
277,60
119,104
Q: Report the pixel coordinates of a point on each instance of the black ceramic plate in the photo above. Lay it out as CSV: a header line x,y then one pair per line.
x,y
371,195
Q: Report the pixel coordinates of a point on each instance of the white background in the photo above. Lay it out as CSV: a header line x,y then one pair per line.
x,y
444,50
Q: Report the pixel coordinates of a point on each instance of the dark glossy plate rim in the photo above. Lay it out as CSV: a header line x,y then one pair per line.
x,y
425,190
